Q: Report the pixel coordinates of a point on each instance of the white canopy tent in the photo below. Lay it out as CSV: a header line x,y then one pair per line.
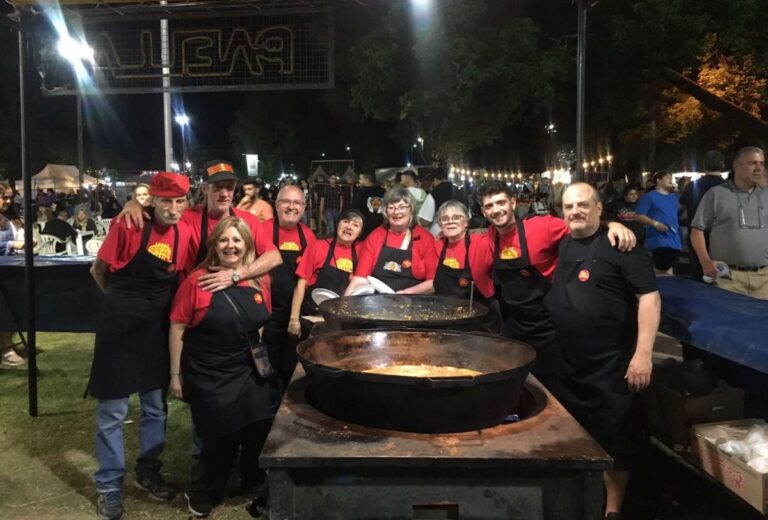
x,y
57,177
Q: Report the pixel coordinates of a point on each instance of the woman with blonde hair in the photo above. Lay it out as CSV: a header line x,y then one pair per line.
x,y
220,367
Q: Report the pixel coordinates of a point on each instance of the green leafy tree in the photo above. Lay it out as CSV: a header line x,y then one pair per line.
x,y
457,80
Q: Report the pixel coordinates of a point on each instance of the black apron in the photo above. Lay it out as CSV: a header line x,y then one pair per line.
x,y
593,364
280,344
220,380
202,250
394,266
454,282
284,276
131,349
521,288
329,277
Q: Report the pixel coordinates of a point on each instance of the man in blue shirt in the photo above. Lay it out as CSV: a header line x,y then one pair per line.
x,y
658,211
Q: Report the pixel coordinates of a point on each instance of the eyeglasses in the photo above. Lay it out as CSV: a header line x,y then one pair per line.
x,y
402,208
447,219
743,218
287,202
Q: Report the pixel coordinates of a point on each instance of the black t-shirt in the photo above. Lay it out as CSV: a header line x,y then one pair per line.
x,y
618,276
60,229
624,213
367,200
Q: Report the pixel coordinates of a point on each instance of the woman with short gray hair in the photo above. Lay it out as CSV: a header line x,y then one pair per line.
x,y
464,260
397,253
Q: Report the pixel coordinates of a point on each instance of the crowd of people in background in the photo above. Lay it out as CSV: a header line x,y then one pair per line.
x,y
546,258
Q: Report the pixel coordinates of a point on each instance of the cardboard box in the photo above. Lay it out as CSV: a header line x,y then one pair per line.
x,y
731,471
724,403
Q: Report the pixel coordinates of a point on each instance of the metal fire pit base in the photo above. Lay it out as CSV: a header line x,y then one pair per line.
x,y
545,467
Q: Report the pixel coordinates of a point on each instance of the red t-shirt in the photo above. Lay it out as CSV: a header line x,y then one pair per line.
x,y
191,303
122,244
422,245
288,239
315,256
480,261
194,219
543,234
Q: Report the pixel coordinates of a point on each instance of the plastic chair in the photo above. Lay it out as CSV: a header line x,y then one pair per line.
x,y
93,246
47,246
102,226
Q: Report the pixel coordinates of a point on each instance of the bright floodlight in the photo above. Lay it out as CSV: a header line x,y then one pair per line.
x,y
188,165
175,166
75,51
182,119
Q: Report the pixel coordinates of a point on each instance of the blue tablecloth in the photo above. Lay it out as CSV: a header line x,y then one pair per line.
x,y
724,323
67,299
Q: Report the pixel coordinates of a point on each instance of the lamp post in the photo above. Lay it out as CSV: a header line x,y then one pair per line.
x,y
183,121
77,53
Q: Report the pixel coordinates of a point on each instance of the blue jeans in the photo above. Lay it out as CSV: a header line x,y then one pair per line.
x,y
110,414
331,215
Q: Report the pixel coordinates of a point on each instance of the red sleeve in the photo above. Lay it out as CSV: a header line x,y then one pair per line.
x,y
432,270
190,303
369,253
312,261
265,286
309,236
192,219
424,256
262,240
115,248
481,264
544,235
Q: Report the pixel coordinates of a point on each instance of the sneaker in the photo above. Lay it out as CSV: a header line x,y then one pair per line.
x,y
11,358
258,508
196,506
154,484
110,505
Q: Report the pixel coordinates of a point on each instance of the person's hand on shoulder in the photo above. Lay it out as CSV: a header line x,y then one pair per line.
x,y
620,236
134,215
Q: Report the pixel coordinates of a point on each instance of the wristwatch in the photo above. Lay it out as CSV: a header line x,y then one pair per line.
x,y
235,277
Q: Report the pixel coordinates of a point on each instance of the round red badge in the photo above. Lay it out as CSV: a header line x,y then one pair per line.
x,y
407,264
463,282
584,275
258,298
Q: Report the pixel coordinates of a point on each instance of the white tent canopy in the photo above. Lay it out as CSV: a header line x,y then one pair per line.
x,y
57,177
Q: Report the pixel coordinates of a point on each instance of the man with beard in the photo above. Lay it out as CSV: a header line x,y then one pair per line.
x,y
253,203
137,271
291,237
524,260
606,306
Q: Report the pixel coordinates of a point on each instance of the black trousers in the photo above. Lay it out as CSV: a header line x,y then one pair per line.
x,y
218,456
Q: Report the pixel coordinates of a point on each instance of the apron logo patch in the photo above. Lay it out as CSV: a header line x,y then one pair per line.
x,y
452,263
463,282
160,250
407,264
171,268
509,253
258,298
344,264
584,275
289,246
392,266
524,273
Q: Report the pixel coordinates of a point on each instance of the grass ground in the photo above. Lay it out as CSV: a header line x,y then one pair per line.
x,y
47,462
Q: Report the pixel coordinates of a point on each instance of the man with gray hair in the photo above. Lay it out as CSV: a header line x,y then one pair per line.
x,y
733,214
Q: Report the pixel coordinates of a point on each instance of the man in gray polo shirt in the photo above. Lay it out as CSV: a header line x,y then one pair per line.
x,y
733,214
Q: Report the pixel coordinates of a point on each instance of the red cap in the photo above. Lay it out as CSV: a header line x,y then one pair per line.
x,y
169,185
